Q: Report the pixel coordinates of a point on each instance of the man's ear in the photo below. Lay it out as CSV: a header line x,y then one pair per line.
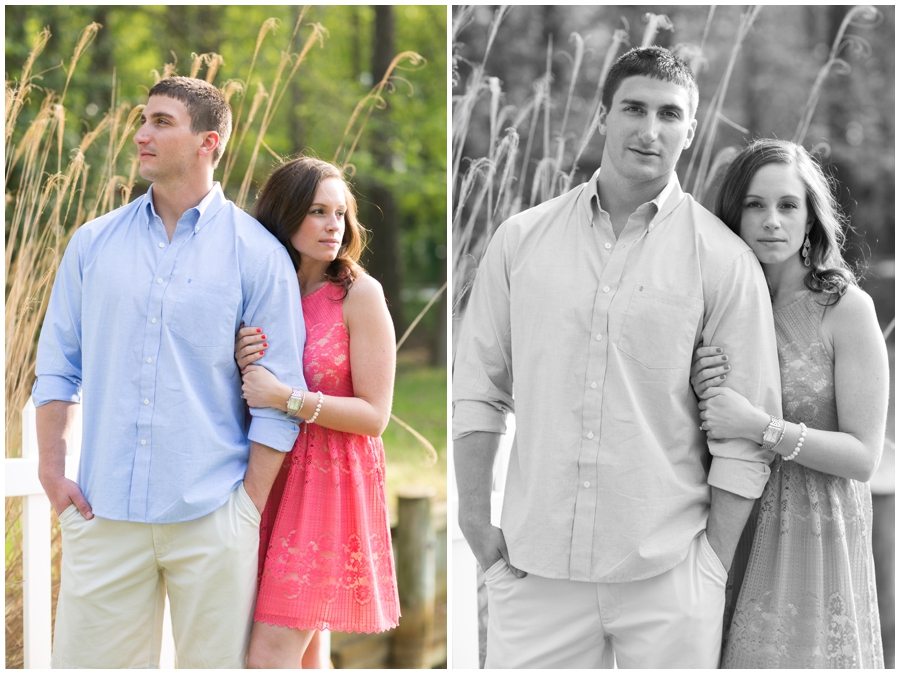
x,y
690,134
209,144
601,120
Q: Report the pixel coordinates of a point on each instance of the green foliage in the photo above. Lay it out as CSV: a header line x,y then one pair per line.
x,y
420,399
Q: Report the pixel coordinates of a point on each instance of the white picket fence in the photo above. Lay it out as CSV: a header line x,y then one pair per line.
x,y
22,480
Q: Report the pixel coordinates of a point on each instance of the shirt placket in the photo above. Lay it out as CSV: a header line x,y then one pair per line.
x,y
166,253
590,488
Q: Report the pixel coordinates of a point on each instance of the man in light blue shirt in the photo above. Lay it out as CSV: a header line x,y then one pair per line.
x,y
172,479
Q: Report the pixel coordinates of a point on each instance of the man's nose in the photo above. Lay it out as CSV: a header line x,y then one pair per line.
x,y
649,128
140,136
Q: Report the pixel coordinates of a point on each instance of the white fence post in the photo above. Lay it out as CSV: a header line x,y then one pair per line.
x,y
36,555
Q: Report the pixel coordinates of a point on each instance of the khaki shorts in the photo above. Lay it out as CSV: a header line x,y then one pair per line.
x,y
670,620
115,576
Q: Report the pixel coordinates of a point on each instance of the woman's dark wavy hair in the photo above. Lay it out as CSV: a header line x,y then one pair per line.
x,y
828,272
284,202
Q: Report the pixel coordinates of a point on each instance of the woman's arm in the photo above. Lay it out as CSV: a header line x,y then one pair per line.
x,y
861,393
372,364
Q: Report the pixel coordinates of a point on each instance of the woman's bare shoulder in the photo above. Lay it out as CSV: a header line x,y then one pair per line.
x,y
852,317
365,289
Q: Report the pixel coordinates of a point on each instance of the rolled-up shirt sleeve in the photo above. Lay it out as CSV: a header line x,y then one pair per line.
x,y
483,375
739,319
59,357
273,303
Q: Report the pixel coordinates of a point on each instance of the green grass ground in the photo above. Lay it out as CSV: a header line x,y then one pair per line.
x,y
420,400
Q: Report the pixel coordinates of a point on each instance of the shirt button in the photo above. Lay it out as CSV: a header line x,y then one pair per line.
x,y
593,384
599,337
159,280
608,246
146,401
606,289
162,245
153,320
590,435
149,360
143,442
587,484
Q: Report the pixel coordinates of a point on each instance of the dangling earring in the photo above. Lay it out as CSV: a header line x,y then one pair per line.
x,y
805,250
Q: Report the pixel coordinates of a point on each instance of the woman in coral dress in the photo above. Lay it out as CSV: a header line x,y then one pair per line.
x,y
803,576
325,545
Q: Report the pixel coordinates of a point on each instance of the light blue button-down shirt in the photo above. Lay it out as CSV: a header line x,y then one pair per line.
x,y
145,327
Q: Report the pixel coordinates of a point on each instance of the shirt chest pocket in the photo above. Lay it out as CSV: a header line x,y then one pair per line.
x,y
204,313
660,327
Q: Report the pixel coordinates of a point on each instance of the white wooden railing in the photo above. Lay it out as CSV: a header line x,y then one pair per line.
x,y
22,480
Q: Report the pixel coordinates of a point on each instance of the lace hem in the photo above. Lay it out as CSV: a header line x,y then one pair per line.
x,y
322,625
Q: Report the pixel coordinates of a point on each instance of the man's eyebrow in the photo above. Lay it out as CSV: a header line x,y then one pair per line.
x,y
158,115
643,104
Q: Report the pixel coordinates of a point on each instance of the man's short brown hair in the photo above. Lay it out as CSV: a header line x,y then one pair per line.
x,y
207,107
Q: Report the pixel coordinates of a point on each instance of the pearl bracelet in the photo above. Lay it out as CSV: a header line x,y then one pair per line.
x,y
318,409
793,455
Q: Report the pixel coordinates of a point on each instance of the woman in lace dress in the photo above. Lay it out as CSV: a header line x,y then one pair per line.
x,y
807,595
325,543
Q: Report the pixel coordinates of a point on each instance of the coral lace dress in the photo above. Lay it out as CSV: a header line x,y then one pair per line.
x,y
808,595
325,559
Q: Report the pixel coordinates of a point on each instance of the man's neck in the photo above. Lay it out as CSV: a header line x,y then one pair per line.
x,y
171,201
621,198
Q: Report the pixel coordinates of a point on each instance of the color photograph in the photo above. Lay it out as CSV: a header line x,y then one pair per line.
x,y
226,336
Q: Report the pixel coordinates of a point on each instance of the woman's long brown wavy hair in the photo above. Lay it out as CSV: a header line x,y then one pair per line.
x,y
284,202
828,272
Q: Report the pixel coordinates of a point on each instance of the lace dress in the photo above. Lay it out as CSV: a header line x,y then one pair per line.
x,y
808,595
325,559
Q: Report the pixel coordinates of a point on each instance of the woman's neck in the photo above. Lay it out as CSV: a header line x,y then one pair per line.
x,y
786,281
311,275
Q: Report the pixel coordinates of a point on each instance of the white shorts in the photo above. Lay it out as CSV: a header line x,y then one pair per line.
x,y
115,576
671,620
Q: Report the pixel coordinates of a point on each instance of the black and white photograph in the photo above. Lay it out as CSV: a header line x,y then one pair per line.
x,y
672,320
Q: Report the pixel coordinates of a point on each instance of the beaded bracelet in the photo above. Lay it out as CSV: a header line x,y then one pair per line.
x,y
793,455
318,409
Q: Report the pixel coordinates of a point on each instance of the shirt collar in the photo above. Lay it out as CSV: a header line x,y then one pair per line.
x,y
208,207
660,207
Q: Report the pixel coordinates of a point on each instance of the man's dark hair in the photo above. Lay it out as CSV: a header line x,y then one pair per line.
x,y
655,62
205,104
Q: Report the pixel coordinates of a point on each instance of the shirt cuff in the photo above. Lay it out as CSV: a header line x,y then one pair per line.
x,y
50,387
470,416
744,478
279,434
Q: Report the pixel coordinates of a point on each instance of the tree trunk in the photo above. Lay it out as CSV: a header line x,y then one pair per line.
x,y
383,260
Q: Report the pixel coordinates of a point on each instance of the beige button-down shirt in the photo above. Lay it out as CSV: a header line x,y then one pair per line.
x,y
609,477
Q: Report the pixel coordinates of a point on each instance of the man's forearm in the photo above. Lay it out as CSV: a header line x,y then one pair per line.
x,y
54,426
54,429
728,514
473,460
262,468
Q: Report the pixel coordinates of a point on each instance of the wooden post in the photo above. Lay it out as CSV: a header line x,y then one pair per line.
x,y
415,580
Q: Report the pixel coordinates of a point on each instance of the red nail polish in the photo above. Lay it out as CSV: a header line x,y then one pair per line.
x,y
262,353
259,329
263,336
266,345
